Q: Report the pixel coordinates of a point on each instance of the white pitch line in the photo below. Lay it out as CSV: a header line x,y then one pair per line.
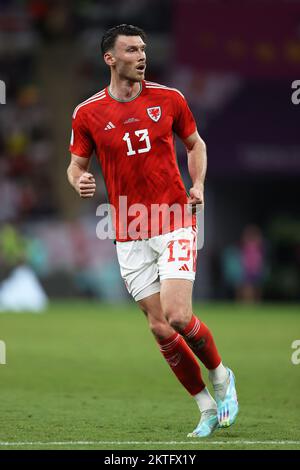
x,y
96,443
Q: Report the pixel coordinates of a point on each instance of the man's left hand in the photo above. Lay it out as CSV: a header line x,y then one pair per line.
x,y
196,197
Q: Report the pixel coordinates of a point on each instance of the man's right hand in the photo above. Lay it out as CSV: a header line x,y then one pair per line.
x,y
86,185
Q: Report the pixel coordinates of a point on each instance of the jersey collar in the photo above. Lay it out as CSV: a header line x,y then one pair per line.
x,y
126,101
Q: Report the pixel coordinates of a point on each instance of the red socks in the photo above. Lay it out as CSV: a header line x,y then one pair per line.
x,y
200,340
179,353
182,362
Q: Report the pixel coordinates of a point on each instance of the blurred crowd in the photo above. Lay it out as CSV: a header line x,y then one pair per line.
x,y
25,136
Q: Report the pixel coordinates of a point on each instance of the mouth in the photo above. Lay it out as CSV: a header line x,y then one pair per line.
x,y
141,68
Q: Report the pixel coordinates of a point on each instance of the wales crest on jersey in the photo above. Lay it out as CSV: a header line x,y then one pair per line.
x,y
154,113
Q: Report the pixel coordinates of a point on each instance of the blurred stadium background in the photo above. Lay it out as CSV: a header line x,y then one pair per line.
x,y
237,79
235,63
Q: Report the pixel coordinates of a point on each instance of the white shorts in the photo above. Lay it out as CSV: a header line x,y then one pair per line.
x,y
144,263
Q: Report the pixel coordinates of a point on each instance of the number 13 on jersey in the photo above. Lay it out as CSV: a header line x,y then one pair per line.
x,y
143,137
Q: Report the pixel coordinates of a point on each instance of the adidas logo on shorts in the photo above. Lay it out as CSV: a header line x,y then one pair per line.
x,y
184,268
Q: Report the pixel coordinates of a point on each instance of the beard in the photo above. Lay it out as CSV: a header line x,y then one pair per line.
x,y
132,75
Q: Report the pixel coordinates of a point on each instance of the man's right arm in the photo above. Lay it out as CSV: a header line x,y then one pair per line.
x,y
79,177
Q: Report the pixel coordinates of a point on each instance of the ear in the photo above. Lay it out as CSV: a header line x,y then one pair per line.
x,y
109,59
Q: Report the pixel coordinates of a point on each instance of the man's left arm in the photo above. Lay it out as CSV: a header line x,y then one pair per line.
x,y
197,163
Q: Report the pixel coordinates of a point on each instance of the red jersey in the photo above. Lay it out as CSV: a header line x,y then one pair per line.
x,y
134,144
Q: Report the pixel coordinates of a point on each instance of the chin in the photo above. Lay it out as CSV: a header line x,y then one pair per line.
x,y
139,77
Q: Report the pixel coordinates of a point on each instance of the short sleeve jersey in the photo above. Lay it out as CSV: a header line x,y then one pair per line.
x,y
134,144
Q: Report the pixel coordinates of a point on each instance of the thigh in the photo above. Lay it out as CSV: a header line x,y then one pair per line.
x,y
138,266
176,298
151,306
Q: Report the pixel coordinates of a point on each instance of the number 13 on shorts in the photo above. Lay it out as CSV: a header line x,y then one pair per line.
x,y
183,253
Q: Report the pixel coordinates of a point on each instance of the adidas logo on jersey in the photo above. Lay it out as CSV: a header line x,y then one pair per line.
x,y
184,268
108,126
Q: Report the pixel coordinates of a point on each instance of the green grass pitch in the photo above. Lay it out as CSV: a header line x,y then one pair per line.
x,y
85,375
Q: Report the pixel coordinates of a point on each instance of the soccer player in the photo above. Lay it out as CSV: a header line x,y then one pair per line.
x,y
130,125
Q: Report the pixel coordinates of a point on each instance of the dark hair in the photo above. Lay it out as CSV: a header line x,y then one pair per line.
x,y
110,36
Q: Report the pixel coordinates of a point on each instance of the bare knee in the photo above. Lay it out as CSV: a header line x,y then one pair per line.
x,y
158,324
157,321
178,317
176,302
160,329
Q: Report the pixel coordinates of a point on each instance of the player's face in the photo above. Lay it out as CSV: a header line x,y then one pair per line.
x,y
130,58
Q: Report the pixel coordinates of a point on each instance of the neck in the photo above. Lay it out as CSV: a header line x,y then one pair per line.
x,y
123,89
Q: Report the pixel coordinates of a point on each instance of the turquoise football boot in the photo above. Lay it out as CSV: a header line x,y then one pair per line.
x,y
227,402
207,425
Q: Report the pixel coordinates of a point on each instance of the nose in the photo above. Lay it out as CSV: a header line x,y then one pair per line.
x,y
142,55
